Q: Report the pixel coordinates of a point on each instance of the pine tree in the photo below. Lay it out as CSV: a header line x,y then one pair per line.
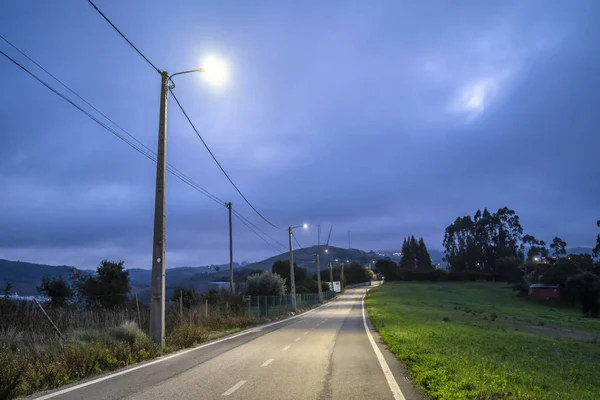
x,y
423,258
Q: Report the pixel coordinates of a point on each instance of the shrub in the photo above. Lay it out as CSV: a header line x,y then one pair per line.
x,y
586,288
57,289
132,335
266,283
522,286
186,335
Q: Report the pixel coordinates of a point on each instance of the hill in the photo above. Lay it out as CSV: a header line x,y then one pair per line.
x,y
26,276
306,257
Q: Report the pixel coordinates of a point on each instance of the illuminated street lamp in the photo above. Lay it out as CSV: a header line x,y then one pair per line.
x,y
216,73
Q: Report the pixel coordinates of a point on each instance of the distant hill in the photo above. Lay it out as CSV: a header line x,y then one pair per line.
x,y
306,257
26,276
580,250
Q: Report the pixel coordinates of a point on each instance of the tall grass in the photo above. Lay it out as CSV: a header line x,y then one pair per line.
x,y
33,358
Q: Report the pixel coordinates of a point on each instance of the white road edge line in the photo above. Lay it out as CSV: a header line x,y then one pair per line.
x,y
396,392
286,348
269,361
234,388
181,353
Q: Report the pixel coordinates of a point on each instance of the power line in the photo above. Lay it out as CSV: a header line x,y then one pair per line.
x,y
145,152
219,164
256,233
171,168
189,120
124,37
260,230
297,242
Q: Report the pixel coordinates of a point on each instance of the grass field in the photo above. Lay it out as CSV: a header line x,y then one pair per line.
x,y
481,341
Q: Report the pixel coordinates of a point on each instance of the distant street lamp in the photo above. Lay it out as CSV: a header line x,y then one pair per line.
x,y
216,73
292,278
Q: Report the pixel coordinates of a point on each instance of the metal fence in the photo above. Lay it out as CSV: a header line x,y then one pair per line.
x,y
274,306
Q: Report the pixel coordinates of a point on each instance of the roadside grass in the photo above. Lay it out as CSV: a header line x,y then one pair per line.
x,y
33,359
477,341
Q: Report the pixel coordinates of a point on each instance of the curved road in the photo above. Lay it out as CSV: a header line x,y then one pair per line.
x,y
331,352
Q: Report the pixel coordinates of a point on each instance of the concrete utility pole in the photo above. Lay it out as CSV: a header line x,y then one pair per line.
x,y
292,279
342,278
231,288
319,278
331,274
157,303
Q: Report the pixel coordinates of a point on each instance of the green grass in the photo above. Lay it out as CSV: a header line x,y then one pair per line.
x,y
481,341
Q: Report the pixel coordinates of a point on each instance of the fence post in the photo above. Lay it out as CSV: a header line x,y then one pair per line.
x,y
137,306
181,307
60,335
206,307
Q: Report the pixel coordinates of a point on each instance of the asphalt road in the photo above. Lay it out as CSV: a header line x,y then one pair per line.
x,y
323,354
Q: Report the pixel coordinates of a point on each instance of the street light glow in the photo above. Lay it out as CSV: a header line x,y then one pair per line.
x,y
535,258
215,70
326,251
305,226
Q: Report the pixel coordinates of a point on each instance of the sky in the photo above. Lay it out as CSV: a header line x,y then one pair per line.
x,y
383,118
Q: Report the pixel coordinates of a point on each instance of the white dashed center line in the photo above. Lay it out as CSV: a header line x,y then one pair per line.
x,y
285,348
297,339
234,388
269,361
305,333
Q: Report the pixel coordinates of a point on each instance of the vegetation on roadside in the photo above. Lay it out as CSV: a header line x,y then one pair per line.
x,y
102,329
479,341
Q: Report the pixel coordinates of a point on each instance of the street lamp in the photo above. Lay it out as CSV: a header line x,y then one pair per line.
x,y
319,276
214,69
292,278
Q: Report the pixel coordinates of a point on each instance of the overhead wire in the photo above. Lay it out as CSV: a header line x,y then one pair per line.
x,y
145,151
260,230
171,168
124,37
219,164
188,118
297,242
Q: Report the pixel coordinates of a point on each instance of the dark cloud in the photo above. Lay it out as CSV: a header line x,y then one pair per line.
x,y
384,120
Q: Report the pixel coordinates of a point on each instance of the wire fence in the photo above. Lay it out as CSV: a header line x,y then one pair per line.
x,y
275,306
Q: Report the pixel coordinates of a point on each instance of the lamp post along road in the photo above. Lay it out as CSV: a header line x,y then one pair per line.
x,y
319,279
157,304
216,73
292,280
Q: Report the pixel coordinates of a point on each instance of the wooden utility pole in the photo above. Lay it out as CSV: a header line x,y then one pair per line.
x,y
157,302
231,288
292,278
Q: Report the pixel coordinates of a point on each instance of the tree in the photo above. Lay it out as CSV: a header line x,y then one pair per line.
x,y
585,261
282,268
108,288
559,272
57,290
388,269
475,244
189,297
586,288
217,268
423,257
265,283
537,248
559,247
356,273
596,252
7,288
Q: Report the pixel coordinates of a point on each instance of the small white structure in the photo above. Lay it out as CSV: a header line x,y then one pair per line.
x,y
337,287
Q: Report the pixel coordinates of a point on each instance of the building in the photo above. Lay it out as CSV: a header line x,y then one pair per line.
x,y
544,291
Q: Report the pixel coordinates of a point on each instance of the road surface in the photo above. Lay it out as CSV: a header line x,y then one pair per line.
x,y
323,354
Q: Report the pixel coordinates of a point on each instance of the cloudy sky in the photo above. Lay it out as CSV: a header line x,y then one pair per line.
x,y
385,119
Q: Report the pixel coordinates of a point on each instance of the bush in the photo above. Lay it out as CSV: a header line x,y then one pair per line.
x,y
186,335
522,286
586,288
266,283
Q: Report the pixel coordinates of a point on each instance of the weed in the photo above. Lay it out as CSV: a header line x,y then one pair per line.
x,y
446,319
